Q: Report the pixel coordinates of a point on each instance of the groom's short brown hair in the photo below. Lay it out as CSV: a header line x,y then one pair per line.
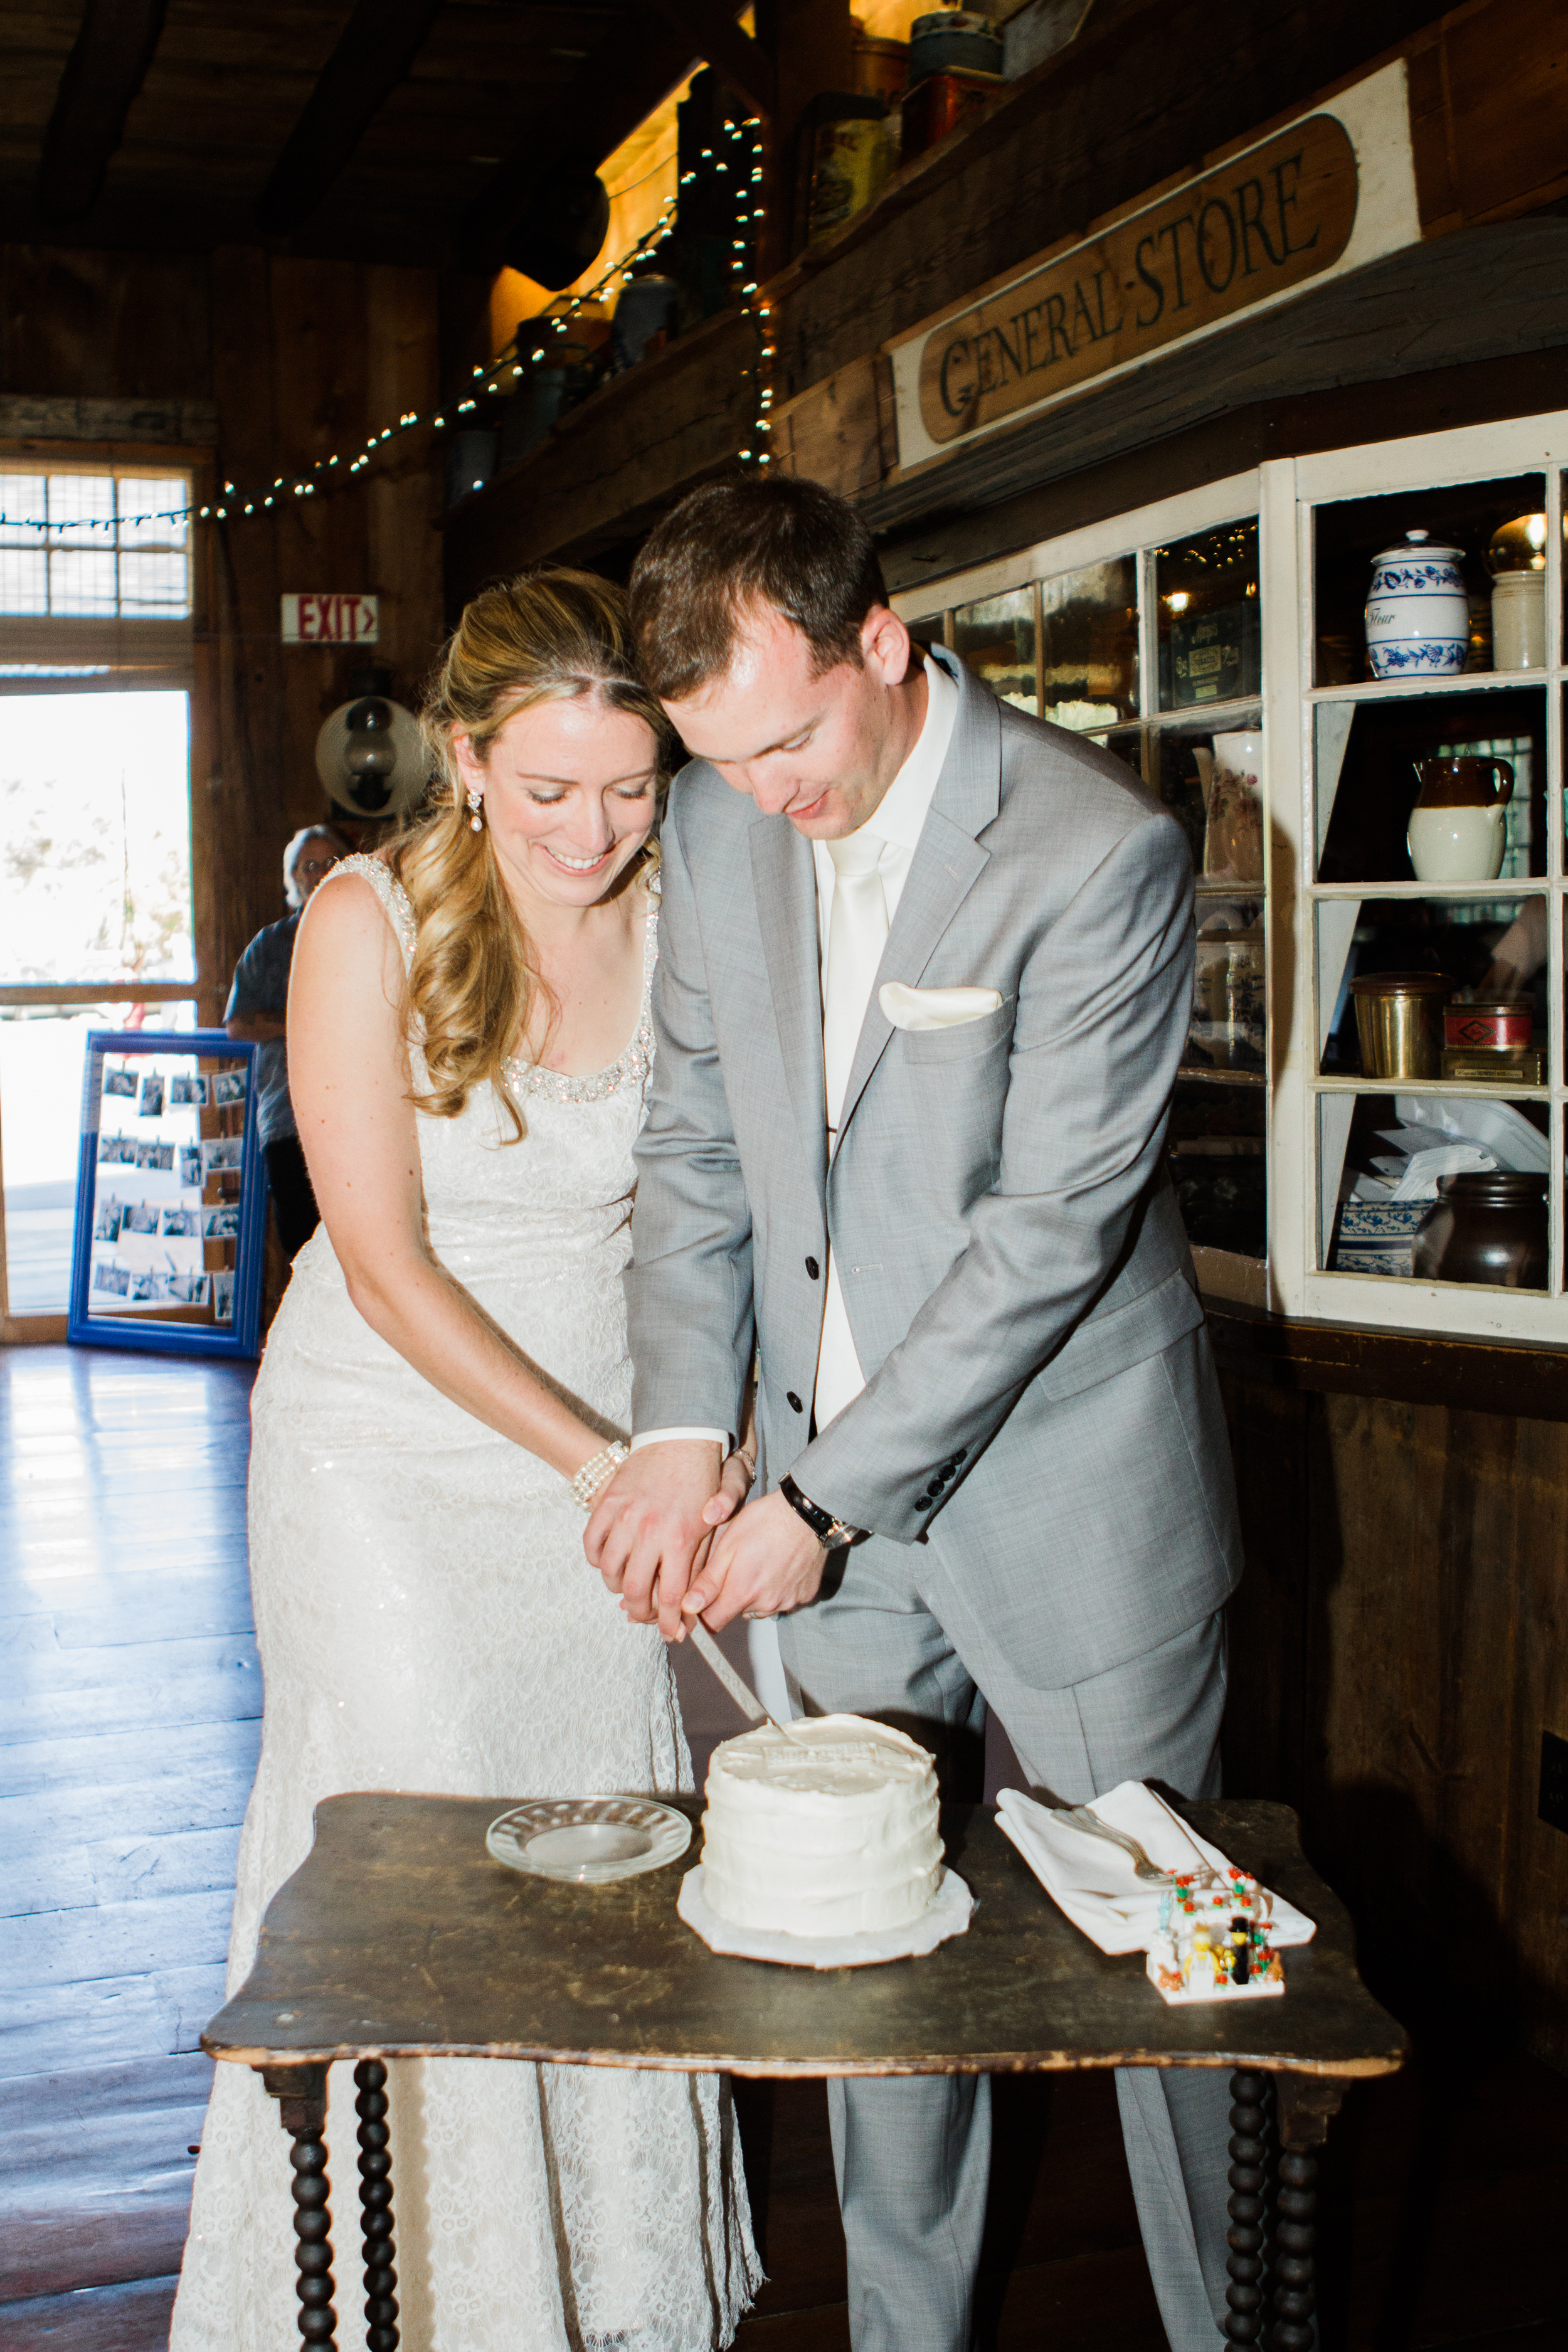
x,y
771,538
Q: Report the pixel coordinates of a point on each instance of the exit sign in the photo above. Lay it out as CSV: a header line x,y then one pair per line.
x,y
323,620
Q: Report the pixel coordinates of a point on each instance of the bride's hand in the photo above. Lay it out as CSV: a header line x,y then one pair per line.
x,y
735,1485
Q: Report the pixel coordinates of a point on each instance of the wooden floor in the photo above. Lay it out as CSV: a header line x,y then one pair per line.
x,y
128,1708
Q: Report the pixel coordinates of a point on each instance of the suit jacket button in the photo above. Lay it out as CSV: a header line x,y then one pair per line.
x,y
962,1454
793,1402
813,1268
922,1502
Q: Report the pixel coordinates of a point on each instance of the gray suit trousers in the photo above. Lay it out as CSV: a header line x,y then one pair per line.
x,y
913,2154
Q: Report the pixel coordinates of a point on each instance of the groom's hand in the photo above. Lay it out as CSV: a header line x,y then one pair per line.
x,y
767,1562
648,1531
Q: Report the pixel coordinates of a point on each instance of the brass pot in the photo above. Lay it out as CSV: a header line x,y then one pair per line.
x,y
1399,1022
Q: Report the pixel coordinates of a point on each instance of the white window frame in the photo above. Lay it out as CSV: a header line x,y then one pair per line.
x,y
1292,488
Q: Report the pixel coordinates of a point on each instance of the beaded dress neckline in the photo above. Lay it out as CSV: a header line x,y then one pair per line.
x,y
630,1067
528,1079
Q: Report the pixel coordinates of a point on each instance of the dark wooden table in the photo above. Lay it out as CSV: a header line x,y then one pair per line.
x,y
401,1937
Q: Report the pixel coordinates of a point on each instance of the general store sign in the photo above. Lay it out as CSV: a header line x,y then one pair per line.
x,y
319,618
1332,193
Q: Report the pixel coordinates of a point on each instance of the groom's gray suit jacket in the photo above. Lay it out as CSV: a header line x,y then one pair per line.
x,y
1003,1225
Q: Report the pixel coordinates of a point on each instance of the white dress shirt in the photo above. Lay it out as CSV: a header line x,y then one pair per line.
x,y
897,822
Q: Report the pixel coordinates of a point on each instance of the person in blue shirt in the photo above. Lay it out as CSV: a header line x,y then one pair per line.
x,y
257,1008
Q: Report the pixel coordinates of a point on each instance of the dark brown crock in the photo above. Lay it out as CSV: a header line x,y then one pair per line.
x,y
1485,1227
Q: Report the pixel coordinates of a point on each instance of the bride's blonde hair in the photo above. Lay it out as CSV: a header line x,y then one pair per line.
x,y
546,636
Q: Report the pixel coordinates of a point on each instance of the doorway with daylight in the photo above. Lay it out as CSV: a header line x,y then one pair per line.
x,y
96,928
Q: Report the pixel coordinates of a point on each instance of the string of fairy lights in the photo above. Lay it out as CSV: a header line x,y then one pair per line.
x,y
535,344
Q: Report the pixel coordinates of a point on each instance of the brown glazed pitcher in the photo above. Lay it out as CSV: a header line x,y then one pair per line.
x,y
1467,783
1486,1226
1459,826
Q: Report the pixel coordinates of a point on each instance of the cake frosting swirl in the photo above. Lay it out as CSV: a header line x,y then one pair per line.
x,y
830,1832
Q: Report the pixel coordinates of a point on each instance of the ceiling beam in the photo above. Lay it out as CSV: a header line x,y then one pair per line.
x,y
99,79
718,40
373,53
617,89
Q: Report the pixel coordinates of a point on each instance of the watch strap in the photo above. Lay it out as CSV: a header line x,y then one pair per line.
x,y
834,1533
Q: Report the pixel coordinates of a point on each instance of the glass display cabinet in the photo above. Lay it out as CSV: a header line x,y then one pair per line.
x,y
1144,634
1346,676
1422,810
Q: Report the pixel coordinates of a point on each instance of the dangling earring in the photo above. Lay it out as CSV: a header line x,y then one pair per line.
x,y
476,802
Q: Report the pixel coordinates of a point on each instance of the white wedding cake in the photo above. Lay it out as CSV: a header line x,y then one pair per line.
x,y
830,1832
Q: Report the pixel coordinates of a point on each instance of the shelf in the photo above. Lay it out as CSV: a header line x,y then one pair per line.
x,y
1526,885
1199,714
1462,1089
1467,681
1427,1282
1222,1077
1208,887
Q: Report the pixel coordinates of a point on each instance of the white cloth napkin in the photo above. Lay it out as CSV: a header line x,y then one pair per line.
x,y
1422,1170
1093,1882
935,1008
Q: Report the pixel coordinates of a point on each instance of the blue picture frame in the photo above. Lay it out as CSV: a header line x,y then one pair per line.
x,y
241,1335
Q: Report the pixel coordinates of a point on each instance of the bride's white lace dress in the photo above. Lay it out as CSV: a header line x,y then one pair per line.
x,y
427,1621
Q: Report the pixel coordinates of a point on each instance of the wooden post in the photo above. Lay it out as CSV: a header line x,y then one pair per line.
x,y
812,46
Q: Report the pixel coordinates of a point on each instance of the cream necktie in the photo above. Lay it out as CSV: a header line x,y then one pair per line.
x,y
856,935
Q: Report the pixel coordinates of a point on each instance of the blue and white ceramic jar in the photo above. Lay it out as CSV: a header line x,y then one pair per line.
x,y
1417,612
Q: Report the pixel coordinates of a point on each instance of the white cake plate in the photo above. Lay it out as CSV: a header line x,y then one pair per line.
x,y
947,1914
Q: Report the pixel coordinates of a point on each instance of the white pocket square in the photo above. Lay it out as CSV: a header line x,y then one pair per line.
x,y
935,1008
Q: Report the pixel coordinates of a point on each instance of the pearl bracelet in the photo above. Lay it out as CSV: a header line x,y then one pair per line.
x,y
595,1472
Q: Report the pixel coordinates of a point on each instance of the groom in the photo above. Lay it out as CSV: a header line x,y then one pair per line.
x,y
925,976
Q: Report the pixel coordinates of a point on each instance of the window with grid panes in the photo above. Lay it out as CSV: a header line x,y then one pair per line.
x,y
107,544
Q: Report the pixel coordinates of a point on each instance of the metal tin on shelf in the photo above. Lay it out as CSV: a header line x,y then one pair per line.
x,y
1498,1027
1397,1019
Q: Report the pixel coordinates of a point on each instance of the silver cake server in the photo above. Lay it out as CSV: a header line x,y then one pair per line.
x,y
744,1697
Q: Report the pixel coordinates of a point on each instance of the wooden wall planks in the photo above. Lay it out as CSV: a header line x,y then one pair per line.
x,y
309,357
1064,150
613,465
1147,91
1397,1653
83,324
304,360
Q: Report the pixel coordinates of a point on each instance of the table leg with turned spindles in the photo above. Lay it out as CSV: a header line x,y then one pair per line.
x,y
301,2096
1305,2106
381,2333
1247,2295
1295,2266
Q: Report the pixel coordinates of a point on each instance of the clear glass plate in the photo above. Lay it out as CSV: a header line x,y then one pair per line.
x,y
587,1841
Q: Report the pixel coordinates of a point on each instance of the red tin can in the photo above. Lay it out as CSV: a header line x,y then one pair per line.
x,y
1488,1028
939,104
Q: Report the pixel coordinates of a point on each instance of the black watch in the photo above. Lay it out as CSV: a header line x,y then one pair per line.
x,y
828,1530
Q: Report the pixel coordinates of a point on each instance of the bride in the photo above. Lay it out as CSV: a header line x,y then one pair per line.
x,y
442,1393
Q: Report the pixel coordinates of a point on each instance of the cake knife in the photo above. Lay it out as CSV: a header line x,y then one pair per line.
x,y
745,1698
